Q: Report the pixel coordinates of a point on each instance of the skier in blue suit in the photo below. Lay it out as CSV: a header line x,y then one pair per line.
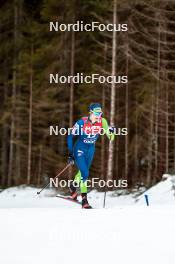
x,y
87,129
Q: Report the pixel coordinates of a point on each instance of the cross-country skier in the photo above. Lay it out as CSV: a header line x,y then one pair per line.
x,y
87,129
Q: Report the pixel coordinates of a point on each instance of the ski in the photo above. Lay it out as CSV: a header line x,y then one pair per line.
x,y
68,198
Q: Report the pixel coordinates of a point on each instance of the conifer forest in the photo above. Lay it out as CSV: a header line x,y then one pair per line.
x,y
30,103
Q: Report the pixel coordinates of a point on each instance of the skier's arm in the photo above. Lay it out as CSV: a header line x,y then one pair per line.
x,y
70,143
74,132
106,128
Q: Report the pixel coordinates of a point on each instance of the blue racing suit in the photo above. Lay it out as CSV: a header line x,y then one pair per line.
x,y
84,148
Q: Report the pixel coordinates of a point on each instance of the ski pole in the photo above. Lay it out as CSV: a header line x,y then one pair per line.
x,y
104,201
61,172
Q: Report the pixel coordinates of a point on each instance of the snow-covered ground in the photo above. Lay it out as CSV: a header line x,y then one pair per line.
x,y
45,229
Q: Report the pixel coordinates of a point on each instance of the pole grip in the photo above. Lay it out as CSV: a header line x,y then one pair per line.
x,y
60,173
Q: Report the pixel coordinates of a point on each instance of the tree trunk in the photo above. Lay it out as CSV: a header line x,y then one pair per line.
x,y
30,120
126,115
40,164
19,77
72,72
103,107
12,127
4,150
113,92
157,102
150,145
71,102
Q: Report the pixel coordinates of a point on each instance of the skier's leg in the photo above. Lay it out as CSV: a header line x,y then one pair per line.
x,y
79,155
83,184
82,165
82,175
73,189
90,156
88,159
77,178
80,183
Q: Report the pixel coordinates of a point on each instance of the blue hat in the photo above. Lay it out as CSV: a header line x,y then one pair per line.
x,y
95,107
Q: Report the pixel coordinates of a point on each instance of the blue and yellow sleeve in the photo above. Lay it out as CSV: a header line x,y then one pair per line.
x,y
105,126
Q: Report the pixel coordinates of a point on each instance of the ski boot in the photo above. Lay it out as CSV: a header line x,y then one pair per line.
x,y
73,192
85,204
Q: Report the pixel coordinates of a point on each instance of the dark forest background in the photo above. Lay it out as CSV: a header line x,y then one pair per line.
x,y
29,104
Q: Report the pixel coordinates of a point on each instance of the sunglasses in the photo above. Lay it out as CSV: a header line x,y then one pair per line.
x,y
99,114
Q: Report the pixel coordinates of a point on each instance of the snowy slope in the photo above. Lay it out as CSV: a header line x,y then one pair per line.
x,y
47,230
130,235
162,193
26,197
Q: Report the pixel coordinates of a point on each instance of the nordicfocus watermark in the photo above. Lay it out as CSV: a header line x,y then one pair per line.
x,y
91,183
81,26
82,78
92,131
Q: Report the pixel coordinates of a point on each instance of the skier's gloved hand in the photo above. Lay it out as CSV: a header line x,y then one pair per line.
x,y
111,129
111,133
71,159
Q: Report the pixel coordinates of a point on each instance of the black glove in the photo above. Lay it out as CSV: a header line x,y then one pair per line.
x,y
71,159
111,129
